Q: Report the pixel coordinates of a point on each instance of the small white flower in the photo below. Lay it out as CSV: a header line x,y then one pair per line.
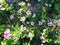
x,y
24,28
44,30
39,0
23,19
27,22
32,23
1,1
2,8
34,15
22,3
43,20
21,27
43,33
50,5
41,44
0,5
55,21
28,12
29,35
27,30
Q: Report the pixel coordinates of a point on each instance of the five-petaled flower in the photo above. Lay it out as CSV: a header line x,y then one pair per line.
x,y
29,35
28,12
40,22
32,23
28,4
43,40
7,33
12,17
50,24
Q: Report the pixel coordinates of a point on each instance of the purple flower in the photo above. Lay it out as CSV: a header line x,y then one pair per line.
x,y
7,33
12,17
32,23
28,4
40,22
50,24
46,4
28,12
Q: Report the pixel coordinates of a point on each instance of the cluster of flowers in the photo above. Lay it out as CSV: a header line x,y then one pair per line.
x,y
23,18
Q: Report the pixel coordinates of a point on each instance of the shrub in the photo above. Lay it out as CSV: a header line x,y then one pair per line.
x,y
29,22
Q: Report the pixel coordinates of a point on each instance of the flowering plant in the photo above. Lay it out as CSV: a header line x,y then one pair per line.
x,y
29,22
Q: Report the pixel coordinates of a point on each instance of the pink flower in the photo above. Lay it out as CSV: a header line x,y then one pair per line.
x,y
12,17
28,4
28,12
40,22
20,10
32,23
50,24
7,33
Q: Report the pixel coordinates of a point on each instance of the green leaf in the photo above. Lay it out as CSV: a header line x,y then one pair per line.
x,y
57,6
52,1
